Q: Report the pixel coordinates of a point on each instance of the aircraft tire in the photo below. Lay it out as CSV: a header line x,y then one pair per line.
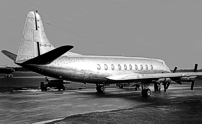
x,y
61,87
146,92
120,86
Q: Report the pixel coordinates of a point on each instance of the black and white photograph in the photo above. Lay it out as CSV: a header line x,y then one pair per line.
x,y
101,62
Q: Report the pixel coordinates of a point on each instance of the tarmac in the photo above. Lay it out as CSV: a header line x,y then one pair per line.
x,y
81,104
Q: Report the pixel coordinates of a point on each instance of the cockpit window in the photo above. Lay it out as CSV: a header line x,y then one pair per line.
x,y
161,61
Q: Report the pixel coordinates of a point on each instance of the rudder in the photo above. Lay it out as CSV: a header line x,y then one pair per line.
x,y
34,41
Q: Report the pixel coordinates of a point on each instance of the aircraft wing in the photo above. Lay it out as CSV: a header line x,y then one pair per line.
x,y
138,76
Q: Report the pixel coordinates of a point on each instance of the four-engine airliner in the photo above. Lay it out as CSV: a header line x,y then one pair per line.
x,y
37,54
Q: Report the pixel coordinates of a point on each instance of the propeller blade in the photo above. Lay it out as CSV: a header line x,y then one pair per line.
x,y
192,85
175,69
195,67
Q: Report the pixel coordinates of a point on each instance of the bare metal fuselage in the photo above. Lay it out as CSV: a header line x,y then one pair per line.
x,y
95,69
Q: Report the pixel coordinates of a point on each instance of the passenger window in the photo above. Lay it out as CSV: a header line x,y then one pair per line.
x,y
119,66
151,67
112,66
125,67
146,67
130,66
141,67
136,67
105,66
98,66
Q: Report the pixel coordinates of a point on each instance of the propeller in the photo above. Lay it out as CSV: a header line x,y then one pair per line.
x,y
195,67
167,84
175,69
177,80
195,70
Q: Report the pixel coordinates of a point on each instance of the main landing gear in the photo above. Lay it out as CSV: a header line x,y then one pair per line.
x,y
145,90
157,86
100,88
9,75
120,86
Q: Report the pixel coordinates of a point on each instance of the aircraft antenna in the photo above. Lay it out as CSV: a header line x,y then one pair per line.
x,y
88,39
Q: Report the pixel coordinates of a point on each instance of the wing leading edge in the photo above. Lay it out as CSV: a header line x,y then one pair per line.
x,y
138,76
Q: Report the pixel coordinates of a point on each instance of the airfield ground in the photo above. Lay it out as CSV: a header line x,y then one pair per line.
x,y
23,102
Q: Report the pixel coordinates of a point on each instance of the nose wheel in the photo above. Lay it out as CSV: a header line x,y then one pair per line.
x,y
145,90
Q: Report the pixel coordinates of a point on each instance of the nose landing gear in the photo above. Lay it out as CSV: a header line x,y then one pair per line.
x,y
145,90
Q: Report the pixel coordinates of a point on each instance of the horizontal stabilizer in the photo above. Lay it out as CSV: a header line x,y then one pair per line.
x,y
9,54
50,56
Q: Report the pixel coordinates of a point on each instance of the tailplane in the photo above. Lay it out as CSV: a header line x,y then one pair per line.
x,y
10,55
48,57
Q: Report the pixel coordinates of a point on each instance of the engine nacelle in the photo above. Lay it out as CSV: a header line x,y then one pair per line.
x,y
189,79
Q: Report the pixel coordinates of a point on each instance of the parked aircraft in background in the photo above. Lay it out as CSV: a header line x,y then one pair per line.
x,y
37,54
6,70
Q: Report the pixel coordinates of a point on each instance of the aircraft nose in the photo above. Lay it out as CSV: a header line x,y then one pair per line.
x,y
167,69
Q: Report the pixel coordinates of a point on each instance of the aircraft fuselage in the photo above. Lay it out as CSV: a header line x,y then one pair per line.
x,y
95,69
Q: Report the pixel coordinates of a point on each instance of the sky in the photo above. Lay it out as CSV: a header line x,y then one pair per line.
x,y
166,29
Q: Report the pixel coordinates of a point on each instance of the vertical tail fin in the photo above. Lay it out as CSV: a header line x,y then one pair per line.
x,y
34,41
40,36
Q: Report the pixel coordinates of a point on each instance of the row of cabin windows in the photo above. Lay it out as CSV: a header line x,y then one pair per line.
x,y
125,67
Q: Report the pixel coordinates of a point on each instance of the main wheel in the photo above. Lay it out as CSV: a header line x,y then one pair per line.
x,y
100,89
120,86
61,86
146,92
